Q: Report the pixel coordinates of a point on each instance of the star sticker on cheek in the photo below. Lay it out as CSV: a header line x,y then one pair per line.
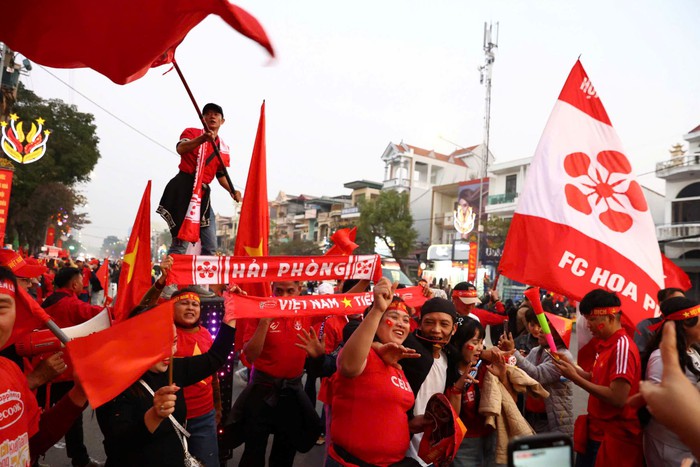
x,y
346,301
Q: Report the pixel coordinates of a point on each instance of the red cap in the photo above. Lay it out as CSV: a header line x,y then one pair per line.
x,y
19,266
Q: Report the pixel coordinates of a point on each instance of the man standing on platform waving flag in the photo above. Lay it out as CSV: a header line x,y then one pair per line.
x,y
582,221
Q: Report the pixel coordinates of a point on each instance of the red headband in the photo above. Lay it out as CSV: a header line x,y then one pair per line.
x,y
680,315
7,288
188,296
465,293
605,311
398,306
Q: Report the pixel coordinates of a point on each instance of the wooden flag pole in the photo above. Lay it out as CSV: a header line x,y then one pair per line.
x,y
201,118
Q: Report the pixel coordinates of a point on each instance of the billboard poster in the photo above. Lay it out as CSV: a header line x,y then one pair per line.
x,y
467,206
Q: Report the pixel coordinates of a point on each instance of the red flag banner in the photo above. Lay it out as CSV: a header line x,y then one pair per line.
x,y
135,277
201,270
103,275
121,39
582,221
244,306
675,276
488,317
109,361
252,239
5,190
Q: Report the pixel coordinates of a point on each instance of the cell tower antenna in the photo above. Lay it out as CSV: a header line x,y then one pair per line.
x,y
490,44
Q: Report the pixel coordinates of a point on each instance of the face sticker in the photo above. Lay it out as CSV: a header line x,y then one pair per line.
x,y
470,347
389,322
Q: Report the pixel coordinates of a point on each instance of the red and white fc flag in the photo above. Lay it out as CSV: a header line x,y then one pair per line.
x,y
582,221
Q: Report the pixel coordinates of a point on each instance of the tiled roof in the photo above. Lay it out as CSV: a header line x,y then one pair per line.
x,y
697,128
453,158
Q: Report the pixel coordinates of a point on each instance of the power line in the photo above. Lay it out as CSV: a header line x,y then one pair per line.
x,y
108,112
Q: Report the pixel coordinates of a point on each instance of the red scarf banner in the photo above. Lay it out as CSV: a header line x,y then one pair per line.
x,y
243,306
189,230
200,270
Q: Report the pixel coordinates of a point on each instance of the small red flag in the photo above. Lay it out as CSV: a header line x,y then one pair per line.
x,y
251,239
343,242
109,361
103,275
135,278
121,39
675,276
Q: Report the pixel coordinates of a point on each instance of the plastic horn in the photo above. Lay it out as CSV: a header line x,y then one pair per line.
x,y
533,295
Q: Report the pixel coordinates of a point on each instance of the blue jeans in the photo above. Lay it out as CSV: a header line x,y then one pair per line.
x,y
207,236
476,452
202,442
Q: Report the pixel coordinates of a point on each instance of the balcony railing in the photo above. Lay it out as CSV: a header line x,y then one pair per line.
x,y
673,231
396,183
502,198
667,167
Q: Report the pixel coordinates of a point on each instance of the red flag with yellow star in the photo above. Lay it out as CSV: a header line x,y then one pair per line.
x,y
135,278
254,224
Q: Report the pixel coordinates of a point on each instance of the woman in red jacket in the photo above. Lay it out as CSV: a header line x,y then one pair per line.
x,y
369,393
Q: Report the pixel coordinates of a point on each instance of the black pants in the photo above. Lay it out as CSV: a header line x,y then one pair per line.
x,y
261,421
75,445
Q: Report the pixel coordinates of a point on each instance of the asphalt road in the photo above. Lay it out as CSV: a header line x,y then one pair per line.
x,y
56,456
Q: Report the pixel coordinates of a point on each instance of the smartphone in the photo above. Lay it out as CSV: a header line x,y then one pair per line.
x,y
546,450
552,354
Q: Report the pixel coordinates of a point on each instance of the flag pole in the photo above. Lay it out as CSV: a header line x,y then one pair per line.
x,y
170,367
201,118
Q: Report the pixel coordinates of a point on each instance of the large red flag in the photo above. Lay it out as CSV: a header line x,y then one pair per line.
x,y
582,221
121,39
254,223
110,361
135,277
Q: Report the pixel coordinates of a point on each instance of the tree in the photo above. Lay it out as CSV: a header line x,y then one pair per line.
x,y
294,248
44,188
112,247
387,217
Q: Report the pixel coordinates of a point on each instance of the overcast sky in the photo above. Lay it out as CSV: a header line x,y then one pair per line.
x,y
351,77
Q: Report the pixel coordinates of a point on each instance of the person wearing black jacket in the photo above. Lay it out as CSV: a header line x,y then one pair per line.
x,y
435,370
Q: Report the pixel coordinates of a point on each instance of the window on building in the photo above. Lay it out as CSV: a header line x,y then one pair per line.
x,y
686,211
435,175
420,172
511,184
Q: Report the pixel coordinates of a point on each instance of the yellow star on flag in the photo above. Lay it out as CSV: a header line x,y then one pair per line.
x,y
130,259
197,351
14,117
346,301
255,251
3,123
40,121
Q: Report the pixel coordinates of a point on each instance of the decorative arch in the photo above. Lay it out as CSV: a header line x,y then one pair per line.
x,y
691,191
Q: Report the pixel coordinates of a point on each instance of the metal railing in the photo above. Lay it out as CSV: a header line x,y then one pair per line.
x,y
671,231
502,198
689,160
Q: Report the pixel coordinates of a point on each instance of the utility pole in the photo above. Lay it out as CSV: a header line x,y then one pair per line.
x,y
490,44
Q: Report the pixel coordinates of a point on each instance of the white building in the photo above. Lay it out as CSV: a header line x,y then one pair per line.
x,y
416,171
679,235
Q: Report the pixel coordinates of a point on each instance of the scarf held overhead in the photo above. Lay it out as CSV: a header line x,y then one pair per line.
x,y
201,270
243,306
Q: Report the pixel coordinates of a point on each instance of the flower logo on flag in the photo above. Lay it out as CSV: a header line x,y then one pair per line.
x,y
602,183
206,270
363,267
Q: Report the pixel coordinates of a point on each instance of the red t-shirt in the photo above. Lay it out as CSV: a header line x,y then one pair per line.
x,y
199,396
19,415
618,358
333,331
188,161
280,357
368,412
469,412
70,310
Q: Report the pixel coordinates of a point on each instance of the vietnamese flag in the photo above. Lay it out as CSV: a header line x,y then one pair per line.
x,y
254,224
582,221
103,276
109,361
675,276
135,277
121,39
